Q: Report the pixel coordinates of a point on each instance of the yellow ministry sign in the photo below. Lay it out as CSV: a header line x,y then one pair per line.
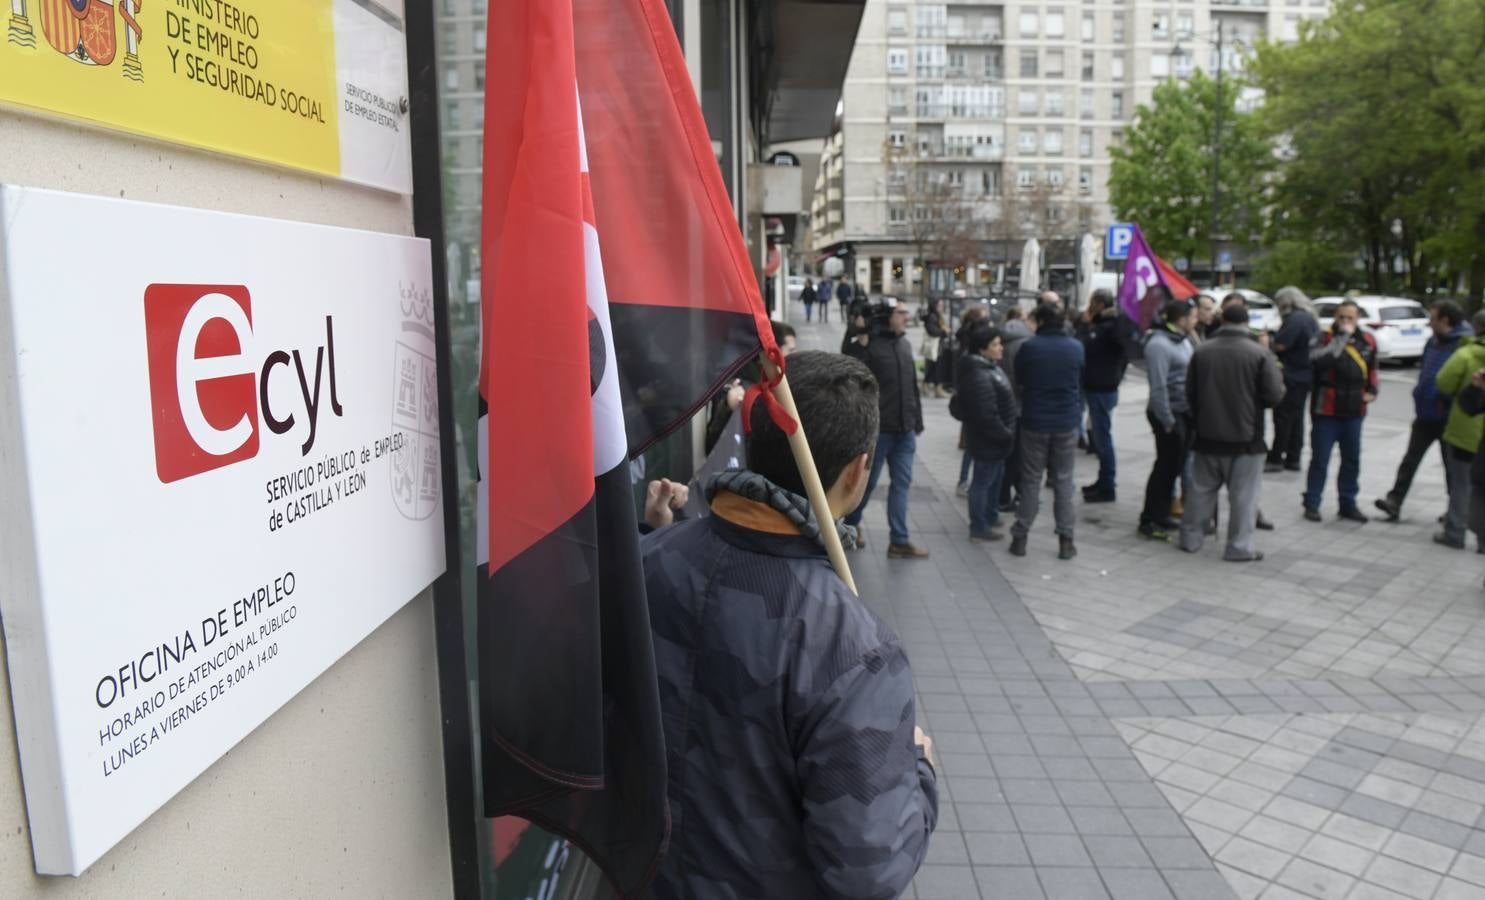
x,y
319,85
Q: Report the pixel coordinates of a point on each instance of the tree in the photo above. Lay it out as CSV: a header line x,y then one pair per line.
x,y
1162,176
939,216
1380,111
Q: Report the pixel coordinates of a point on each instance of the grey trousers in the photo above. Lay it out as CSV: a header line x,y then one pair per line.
x,y
1457,477
1243,476
1041,451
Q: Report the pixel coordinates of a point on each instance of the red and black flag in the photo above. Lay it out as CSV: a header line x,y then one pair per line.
x,y
616,290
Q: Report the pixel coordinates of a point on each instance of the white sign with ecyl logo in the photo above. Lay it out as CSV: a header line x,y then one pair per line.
x,y
222,472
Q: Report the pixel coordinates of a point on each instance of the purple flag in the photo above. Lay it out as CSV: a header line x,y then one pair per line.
x,y
1142,271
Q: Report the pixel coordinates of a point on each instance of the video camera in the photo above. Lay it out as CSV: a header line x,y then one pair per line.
x,y
874,314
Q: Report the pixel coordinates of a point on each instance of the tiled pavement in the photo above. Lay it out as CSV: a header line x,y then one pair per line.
x,y
1142,723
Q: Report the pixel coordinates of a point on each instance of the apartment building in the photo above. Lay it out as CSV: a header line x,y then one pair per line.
x,y
966,128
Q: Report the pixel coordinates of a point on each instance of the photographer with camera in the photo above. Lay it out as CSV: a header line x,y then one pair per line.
x,y
880,344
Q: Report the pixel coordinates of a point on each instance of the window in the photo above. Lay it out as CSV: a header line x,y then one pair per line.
x,y
1029,24
1028,63
1085,104
1056,25
1088,65
454,117
1116,138
1055,179
479,77
990,182
1087,26
479,40
1116,104
1116,67
930,60
1054,63
993,67
1183,65
897,139
1119,26
1026,140
1027,102
1054,102
897,99
897,59
1185,25
896,215
897,21
1025,179
1160,26
1085,142
1052,142
956,63
1085,180
1160,65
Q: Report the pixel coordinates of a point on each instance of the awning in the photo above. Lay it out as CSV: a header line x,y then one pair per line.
x,y
805,46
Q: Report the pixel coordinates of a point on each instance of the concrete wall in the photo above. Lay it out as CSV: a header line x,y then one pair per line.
x,y
341,791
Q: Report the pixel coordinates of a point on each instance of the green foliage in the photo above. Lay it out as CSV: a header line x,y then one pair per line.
x,y
1162,176
1380,113
1316,265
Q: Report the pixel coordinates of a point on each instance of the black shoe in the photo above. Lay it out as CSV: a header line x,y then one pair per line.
x,y
1256,557
1065,548
1153,531
1291,467
1264,524
1390,507
1271,467
981,537
1102,495
1168,524
1313,515
1018,545
1443,540
1352,514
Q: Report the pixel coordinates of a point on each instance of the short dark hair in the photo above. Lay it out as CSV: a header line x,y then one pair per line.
x,y
781,331
1235,314
1014,312
1104,296
1159,293
837,400
1048,316
1234,297
1449,311
980,337
1176,310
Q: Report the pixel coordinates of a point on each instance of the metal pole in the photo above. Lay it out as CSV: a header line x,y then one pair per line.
x,y
1216,155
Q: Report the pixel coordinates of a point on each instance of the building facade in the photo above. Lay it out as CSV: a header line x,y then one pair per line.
x,y
967,128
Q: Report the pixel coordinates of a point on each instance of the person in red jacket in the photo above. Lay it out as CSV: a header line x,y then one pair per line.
x,y
1345,382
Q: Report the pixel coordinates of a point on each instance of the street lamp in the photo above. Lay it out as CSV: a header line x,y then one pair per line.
x,y
1218,106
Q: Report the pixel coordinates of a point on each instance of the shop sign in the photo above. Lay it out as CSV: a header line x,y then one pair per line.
x,y
222,472
319,85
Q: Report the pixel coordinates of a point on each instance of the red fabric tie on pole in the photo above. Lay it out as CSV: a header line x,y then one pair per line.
x,y
765,389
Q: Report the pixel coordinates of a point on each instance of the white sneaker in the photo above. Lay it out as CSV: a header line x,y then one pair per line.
x,y
962,490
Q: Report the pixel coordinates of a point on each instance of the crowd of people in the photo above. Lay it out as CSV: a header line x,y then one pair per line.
x,y
1030,389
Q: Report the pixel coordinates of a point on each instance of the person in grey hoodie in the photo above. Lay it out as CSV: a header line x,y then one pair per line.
x,y
1167,354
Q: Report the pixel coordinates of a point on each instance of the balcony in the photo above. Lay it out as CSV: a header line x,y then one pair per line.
x,y
963,152
974,73
973,38
958,111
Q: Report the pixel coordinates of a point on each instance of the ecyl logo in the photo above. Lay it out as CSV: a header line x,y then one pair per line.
x,y
208,385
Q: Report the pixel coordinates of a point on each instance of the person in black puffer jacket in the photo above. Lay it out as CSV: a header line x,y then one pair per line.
x,y
987,404
888,354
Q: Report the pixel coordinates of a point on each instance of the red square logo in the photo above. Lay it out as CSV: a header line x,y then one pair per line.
x,y
203,387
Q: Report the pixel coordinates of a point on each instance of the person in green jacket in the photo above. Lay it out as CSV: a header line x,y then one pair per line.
x,y
1461,434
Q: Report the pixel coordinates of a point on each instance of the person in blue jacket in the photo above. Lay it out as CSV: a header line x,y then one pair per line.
x,y
1049,372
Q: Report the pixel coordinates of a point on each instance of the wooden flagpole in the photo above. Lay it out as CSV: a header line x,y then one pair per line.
x,y
811,477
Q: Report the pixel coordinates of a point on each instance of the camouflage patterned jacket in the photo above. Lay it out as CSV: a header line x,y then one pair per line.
x,y
788,715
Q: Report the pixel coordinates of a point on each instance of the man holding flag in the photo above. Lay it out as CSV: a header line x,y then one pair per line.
x,y
601,194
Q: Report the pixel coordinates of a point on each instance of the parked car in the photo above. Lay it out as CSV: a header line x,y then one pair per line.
x,y
794,286
1263,315
1399,325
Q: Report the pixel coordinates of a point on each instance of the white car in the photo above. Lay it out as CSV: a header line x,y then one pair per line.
x,y
1399,325
1263,315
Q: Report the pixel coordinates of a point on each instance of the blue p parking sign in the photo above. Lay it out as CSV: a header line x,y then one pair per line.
x,y
1116,242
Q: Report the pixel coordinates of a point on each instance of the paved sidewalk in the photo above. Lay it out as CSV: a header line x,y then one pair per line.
x,y
1145,723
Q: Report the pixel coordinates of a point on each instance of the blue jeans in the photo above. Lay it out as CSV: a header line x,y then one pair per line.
x,y
1325,433
984,495
895,451
1101,413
